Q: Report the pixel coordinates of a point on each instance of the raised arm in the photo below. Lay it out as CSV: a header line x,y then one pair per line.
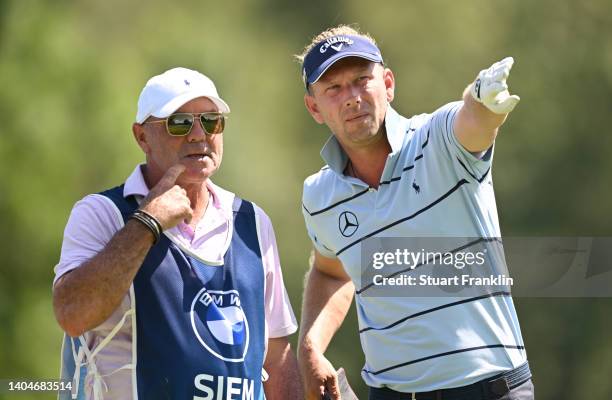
x,y
327,298
486,104
89,294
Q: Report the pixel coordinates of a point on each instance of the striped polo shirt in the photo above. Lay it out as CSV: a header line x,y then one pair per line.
x,y
430,187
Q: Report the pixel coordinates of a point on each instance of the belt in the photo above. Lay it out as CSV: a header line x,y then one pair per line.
x,y
489,388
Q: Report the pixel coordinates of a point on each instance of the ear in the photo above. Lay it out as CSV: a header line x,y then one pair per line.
x,y
141,138
389,80
313,108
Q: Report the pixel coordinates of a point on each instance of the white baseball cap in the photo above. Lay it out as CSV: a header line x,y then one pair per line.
x,y
164,94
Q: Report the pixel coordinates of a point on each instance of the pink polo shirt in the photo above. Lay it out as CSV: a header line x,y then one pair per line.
x,y
95,219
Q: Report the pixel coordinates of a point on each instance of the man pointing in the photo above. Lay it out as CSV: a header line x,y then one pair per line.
x,y
391,176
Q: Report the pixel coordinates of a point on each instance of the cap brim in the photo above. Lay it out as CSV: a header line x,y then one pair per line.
x,y
177,102
318,73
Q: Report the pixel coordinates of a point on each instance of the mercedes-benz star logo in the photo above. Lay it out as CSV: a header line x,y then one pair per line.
x,y
348,224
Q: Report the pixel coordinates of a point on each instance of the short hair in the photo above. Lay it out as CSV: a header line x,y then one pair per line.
x,y
335,31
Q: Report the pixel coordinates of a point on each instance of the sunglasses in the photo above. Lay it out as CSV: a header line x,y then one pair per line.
x,y
180,124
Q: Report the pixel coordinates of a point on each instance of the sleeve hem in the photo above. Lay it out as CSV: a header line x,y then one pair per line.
x,y
64,270
282,332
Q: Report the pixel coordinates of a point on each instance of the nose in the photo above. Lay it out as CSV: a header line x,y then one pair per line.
x,y
354,96
197,133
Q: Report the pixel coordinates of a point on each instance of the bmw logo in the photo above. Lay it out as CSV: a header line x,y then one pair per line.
x,y
220,325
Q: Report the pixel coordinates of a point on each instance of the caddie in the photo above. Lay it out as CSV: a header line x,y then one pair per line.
x,y
391,176
169,286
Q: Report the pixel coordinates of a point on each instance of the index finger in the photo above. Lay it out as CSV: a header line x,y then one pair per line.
x,y
503,68
172,174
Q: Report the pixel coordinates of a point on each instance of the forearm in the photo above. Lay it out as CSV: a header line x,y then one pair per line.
x,y
486,104
89,294
481,117
475,125
284,380
326,303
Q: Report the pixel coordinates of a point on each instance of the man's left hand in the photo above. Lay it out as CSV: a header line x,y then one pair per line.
x,y
491,90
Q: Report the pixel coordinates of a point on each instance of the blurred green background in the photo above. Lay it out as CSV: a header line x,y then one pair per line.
x,y
71,72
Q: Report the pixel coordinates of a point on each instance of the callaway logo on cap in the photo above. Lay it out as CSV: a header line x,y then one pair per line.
x,y
327,52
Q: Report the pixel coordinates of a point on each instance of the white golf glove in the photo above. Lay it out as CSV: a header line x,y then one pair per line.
x,y
491,90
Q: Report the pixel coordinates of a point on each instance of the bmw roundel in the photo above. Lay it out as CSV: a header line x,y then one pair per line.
x,y
220,325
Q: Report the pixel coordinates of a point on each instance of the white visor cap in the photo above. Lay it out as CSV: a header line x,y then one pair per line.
x,y
164,94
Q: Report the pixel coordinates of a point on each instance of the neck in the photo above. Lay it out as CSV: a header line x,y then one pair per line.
x,y
368,164
199,196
